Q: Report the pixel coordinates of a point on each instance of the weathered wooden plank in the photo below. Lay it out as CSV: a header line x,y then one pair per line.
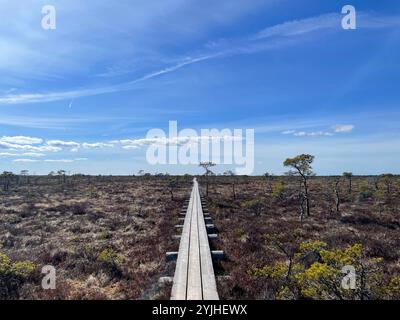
x,y
194,289
194,277
207,269
181,270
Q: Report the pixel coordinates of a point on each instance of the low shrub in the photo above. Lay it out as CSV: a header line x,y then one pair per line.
x,y
278,191
13,275
111,261
254,206
364,191
78,208
322,277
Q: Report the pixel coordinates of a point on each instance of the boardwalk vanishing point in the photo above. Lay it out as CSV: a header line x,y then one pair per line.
x,y
194,277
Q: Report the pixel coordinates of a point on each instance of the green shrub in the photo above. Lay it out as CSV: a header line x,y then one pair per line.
x,y
104,235
365,191
110,256
91,191
393,288
238,233
321,278
13,275
254,206
111,261
278,190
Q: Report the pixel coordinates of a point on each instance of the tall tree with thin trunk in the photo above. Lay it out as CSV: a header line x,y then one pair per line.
x,y
349,176
336,189
25,174
302,168
387,180
232,174
207,166
61,174
269,177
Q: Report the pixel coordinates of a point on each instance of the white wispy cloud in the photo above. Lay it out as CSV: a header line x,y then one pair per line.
x,y
56,123
327,21
50,160
25,154
33,154
21,140
130,147
341,128
39,151
25,160
9,154
47,146
59,160
180,140
298,27
97,145
312,134
65,160
288,131
13,146
61,144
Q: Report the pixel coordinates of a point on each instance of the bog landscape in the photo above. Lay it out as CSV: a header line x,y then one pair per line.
x,y
199,150
107,237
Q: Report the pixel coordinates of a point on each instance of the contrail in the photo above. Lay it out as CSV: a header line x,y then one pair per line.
x,y
55,96
274,35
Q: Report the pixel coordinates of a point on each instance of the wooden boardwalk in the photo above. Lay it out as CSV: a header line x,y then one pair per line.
x,y
194,277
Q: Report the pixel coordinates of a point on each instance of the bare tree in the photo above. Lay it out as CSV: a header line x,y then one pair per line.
x,y
233,179
336,190
207,166
349,176
302,165
61,174
387,180
25,174
172,185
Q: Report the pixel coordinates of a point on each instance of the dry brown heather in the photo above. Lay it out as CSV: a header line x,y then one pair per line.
x,y
107,236
266,207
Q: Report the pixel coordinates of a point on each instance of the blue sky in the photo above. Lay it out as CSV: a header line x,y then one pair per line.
x,y
111,71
